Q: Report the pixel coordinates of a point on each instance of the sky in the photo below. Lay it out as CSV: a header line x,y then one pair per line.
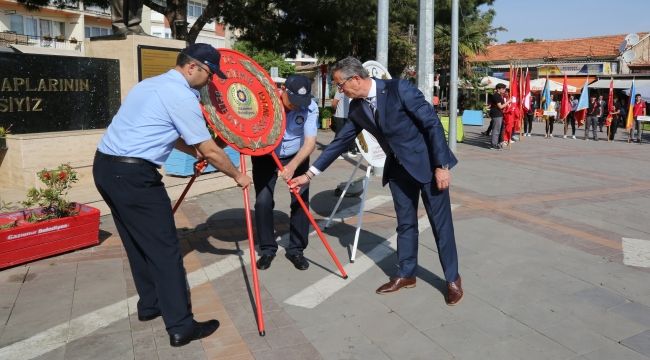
x,y
567,19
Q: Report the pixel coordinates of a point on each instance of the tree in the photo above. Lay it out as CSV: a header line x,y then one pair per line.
x,y
475,33
529,40
329,29
335,29
511,42
266,58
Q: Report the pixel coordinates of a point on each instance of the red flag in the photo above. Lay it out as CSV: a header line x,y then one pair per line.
x,y
527,97
520,105
565,105
514,89
610,104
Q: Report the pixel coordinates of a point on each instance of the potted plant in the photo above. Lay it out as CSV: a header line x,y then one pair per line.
x,y
326,117
54,226
3,137
73,40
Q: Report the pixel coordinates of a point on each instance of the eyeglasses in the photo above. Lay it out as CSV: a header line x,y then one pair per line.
x,y
210,73
340,85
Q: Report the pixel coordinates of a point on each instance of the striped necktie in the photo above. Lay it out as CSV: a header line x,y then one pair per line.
x,y
373,109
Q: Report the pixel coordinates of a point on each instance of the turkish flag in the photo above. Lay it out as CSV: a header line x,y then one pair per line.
x,y
565,105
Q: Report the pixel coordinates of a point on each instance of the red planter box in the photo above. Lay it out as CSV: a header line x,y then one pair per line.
x,y
32,241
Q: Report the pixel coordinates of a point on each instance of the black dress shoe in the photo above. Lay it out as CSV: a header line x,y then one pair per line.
x,y
264,262
200,330
298,261
149,317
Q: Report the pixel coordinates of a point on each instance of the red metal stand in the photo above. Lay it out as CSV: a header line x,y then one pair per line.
x,y
295,193
198,169
251,246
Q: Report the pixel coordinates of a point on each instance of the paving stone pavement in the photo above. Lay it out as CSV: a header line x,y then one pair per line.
x,y
539,229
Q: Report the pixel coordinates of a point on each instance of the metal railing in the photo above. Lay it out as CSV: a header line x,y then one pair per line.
x,y
10,38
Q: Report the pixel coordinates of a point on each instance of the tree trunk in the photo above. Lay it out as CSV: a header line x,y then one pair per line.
x,y
210,12
176,14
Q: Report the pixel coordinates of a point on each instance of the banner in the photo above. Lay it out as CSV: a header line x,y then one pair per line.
x,y
603,68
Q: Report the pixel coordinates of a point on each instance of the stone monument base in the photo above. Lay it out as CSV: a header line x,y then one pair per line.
x,y
28,154
126,51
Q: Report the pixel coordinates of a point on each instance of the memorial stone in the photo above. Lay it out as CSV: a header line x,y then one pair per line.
x,y
46,93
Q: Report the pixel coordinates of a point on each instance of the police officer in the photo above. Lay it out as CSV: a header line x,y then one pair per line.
x,y
298,143
158,114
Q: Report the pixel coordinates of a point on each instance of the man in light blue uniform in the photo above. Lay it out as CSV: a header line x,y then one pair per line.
x,y
158,114
298,143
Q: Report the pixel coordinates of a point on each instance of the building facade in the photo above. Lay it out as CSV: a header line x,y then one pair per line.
x,y
580,59
68,28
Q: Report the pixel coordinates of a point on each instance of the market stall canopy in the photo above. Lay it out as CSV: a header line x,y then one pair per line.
x,y
491,82
642,86
538,85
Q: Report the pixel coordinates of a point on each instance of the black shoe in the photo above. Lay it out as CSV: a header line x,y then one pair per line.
x,y
200,330
149,317
264,262
298,261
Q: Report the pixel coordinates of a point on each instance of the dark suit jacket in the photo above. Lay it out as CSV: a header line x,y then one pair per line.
x,y
410,131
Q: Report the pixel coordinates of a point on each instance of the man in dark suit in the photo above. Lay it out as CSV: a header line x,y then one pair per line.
x,y
418,160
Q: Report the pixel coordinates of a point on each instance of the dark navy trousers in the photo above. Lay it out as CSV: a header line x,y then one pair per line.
x,y
265,176
143,216
406,192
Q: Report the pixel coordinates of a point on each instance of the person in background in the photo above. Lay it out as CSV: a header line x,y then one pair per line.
x,y
616,118
497,106
298,142
341,104
639,109
571,118
603,111
509,120
529,116
550,120
593,113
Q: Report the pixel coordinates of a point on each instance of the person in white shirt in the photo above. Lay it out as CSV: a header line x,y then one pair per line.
x,y
341,104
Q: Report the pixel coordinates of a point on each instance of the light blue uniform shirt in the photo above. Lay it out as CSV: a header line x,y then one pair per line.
x,y
300,124
154,114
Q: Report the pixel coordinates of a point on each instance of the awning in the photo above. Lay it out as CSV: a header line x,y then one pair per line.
x,y
620,83
642,86
577,81
538,85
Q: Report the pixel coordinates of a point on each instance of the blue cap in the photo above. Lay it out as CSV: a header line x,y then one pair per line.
x,y
299,90
206,54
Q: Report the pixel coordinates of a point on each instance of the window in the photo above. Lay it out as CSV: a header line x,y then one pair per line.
x,y
194,8
36,27
17,24
58,28
45,27
31,26
92,31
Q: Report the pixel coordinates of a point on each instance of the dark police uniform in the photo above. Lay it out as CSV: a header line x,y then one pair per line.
x,y
139,139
